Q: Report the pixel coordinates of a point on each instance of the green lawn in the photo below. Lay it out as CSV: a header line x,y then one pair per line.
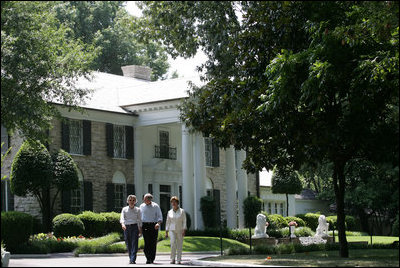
x,y
369,257
375,239
200,243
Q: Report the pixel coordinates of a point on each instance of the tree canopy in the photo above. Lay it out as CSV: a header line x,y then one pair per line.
x,y
292,83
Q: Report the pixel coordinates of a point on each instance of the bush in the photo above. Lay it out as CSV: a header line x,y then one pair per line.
x,y
16,227
94,223
276,221
67,225
311,219
300,222
208,211
97,245
304,231
277,233
264,249
37,226
395,227
251,207
285,248
332,220
237,251
350,223
112,222
239,234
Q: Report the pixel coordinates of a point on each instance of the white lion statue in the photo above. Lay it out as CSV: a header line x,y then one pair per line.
x,y
261,227
323,227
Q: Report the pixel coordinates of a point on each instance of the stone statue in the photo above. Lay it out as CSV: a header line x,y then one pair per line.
x,y
323,227
261,227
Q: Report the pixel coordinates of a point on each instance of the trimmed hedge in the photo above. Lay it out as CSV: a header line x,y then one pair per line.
x,y
94,223
311,219
300,222
112,222
16,227
275,221
67,224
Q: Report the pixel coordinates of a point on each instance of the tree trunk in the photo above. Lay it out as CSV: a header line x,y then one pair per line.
x,y
339,186
287,205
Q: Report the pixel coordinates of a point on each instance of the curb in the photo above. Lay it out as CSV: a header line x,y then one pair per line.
x,y
227,264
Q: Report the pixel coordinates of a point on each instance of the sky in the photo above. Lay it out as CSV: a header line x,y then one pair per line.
x,y
184,67
187,68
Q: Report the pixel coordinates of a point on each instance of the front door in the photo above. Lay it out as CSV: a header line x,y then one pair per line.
x,y
165,196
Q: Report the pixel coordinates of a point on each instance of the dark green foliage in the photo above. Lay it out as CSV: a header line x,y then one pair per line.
x,y
251,207
300,222
276,221
264,249
237,251
65,171
332,220
16,227
66,224
94,223
311,219
395,227
112,222
208,211
31,170
285,182
37,226
350,223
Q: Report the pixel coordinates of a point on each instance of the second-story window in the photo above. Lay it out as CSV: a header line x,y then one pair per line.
x,y
119,141
76,137
211,152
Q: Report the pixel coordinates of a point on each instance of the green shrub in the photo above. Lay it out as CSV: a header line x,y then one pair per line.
x,y
276,221
303,232
37,226
395,227
311,219
350,223
97,245
112,222
237,251
285,248
300,222
332,220
67,225
299,248
264,249
277,233
239,234
16,227
208,211
94,223
251,207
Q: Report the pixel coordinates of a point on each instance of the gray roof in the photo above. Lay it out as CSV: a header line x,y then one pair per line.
x,y
306,194
110,92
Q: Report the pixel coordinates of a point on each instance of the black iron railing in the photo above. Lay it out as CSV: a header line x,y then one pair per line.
x,y
165,152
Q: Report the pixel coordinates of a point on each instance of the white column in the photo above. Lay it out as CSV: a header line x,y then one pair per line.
x,y
230,182
138,162
199,178
187,173
242,184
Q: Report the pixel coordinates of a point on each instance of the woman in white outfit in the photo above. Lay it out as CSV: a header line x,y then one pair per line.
x,y
176,227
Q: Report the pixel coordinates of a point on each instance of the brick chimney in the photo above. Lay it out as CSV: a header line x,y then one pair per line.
x,y
137,71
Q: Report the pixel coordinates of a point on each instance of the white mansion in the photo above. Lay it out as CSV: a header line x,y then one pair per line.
x,y
130,140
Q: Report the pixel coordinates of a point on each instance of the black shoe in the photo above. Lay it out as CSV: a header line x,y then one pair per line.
x,y
132,262
148,262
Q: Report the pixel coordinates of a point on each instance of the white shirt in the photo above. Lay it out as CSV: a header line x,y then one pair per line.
x,y
176,220
131,216
151,213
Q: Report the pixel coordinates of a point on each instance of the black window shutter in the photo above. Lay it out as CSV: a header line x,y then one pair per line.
x,y
217,200
110,196
87,195
10,197
65,135
87,137
129,142
130,189
66,201
110,139
215,154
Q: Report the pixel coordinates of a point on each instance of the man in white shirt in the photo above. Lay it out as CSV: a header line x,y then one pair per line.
x,y
151,219
131,223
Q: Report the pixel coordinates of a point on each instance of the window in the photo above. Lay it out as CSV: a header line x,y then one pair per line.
x,y
281,209
77,199
119,196
119,142
76,137
208,151
211,152
269,208
164,150
276,208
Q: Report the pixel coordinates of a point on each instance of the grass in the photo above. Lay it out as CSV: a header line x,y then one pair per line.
x,y
375,239
370,257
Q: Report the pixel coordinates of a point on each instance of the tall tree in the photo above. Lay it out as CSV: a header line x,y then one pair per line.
x,y
38,63
107,26
293,82
286,181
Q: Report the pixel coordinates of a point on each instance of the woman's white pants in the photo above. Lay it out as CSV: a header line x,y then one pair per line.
x,y
176,239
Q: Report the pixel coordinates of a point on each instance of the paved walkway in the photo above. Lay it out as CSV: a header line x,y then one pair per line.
x,y
101,260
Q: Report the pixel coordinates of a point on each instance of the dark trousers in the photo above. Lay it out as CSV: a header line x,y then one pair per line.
x,y
150,236
131,235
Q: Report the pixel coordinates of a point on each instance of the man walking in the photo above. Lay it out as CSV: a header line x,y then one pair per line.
x,y
151,219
